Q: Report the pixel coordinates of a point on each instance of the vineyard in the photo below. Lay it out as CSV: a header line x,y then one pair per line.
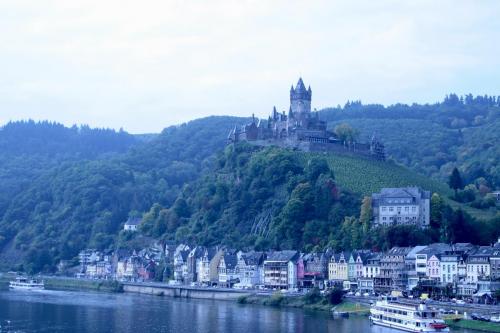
x,y
366,176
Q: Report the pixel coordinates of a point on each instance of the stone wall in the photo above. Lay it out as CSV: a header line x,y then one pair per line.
x,y
184,291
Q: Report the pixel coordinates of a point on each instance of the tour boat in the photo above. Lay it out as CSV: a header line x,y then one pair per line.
x,y
26,284
406,316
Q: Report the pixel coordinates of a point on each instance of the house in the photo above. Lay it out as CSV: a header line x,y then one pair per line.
x,y
213,267
422,259
250,268
404,205
228,275
434,267
312,270
393,274
280,270
372,266
203,265
132,224
478,263
180,263
192,260
127,268
449,267
495,264
338,267
146,271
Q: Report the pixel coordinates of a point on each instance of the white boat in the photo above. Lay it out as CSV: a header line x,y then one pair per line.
x,y
26,284
406,316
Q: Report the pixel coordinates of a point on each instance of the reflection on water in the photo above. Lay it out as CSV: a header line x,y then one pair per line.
x,y
62,311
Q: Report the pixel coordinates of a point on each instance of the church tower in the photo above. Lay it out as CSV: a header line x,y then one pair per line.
x,y
300,98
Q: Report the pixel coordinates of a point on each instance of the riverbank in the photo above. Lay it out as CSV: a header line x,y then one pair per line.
x,y
81,284
305,302
476,325
61,283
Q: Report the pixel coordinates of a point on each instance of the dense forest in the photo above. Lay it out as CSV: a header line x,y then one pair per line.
x,y
64,189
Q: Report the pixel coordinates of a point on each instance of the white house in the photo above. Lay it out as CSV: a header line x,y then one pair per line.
x,y
250,268
132,224
478,264
449,267
280,270
405,205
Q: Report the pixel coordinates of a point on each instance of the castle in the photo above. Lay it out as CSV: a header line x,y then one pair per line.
x,y
301,129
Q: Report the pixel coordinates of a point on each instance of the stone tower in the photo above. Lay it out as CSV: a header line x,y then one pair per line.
x,y
300,98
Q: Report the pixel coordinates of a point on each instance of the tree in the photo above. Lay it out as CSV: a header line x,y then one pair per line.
x,y
335,296
365,215
456,181
346,133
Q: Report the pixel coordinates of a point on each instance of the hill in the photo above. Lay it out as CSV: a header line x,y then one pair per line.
x,y
57,198
432,139
276,198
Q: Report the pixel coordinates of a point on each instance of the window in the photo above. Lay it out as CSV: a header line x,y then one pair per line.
x,y
384,209
407,209
399,209
413,209
391,209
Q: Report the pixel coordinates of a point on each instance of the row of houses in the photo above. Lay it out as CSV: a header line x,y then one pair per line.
x,y
463,269
124,265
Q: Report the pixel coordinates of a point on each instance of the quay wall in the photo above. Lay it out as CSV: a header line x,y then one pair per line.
x,y
184,292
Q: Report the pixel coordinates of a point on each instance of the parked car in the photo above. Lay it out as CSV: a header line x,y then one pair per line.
x,y
366,294
474,316
460,302
495,318
357,294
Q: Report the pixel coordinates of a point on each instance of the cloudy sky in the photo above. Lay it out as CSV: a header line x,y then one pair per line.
x,y
143,65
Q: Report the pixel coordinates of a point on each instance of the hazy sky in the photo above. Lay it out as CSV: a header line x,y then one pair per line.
x,y
144,65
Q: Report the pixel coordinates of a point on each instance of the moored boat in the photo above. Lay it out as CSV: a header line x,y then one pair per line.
x,y
26,284
406,316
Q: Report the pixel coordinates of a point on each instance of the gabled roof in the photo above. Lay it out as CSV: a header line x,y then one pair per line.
x,y
411,255
133,221
286,255
253,257
399,251
230,259
435,248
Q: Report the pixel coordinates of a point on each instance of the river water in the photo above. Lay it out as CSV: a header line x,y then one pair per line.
x,y
63,311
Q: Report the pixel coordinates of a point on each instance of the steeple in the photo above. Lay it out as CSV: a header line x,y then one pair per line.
x,y
300,98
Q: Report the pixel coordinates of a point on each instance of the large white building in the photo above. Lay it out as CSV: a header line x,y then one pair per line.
x,y
404,205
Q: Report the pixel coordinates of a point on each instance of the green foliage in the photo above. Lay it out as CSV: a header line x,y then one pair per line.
x,y
312,296
64,189
335,296
455,180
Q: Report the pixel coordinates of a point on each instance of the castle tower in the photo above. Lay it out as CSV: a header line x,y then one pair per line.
x,y
300,98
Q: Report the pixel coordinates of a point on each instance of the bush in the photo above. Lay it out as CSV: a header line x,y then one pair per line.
x,y
313,296
335,296
276,299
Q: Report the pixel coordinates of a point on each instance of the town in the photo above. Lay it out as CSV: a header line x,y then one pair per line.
x,y
441,271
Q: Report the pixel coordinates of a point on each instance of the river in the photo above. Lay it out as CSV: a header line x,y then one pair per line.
x,y
63,311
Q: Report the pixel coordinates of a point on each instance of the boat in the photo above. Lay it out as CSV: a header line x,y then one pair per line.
x,y
26,284
406,316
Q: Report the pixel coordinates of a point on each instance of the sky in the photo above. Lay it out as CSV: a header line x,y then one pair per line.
x,y
145,65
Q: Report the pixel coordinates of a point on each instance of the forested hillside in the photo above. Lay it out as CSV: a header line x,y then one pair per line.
x,y
56,200
64,189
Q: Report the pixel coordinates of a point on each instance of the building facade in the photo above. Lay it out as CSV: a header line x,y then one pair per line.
x,y
405,205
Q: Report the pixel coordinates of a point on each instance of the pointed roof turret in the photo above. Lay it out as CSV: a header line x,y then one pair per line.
x,y
300,86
